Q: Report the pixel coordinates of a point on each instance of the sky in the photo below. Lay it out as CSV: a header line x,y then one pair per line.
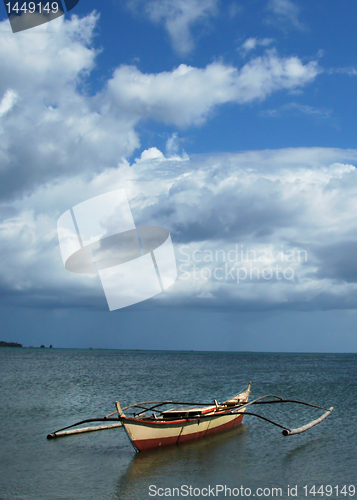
x,y
232,125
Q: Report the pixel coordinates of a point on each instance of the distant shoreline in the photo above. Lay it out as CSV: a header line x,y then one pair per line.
x,y
9,344
164,351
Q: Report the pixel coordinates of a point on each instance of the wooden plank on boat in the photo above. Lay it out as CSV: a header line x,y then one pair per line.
x,y
185,413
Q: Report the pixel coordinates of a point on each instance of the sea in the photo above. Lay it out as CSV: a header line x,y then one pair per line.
x,y
42,390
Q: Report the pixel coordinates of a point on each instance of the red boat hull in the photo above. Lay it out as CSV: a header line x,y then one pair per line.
x,y
146,435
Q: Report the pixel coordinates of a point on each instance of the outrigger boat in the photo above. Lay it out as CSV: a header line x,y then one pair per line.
x,y
195,420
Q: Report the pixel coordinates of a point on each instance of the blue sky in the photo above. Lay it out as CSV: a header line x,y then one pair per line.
x,y
232,124
319,31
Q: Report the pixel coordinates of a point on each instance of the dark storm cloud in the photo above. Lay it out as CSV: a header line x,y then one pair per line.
x,y
234,212
338,261
294,208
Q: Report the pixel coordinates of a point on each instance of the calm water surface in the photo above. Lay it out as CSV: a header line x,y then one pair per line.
x,y
43,390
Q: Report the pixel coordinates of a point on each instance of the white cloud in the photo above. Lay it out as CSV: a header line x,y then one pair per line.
x,y
351,71
186,95
56,130
7,102
173,146
252,43
51,60
172,152
151,154
59,146
284,12
178,17
264,201
286,201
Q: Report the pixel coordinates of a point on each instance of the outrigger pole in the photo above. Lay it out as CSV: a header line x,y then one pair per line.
x,y
155,404
65,432
286,431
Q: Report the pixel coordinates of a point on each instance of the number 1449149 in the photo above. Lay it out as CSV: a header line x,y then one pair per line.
x,y
32,7
328,490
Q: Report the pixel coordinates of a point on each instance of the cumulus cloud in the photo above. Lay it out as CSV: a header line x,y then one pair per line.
x,y
150,154
187,95
51,128
51,61
178,17
55,129
253,230
60,146
277,209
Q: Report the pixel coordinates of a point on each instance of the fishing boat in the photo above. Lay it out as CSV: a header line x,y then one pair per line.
x,y
149,425
177,425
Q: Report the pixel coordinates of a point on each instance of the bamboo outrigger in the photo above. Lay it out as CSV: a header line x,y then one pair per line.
x,y
195,420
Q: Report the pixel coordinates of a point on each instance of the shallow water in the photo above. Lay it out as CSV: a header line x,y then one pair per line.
x,y
46,389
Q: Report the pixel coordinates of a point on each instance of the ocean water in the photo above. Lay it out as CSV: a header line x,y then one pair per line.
x,y
45,389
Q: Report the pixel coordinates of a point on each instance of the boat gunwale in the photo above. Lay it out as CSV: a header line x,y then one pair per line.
x,y
160,422
214,404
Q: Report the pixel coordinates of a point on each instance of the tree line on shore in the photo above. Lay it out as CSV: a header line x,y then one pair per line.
x,y
9,344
